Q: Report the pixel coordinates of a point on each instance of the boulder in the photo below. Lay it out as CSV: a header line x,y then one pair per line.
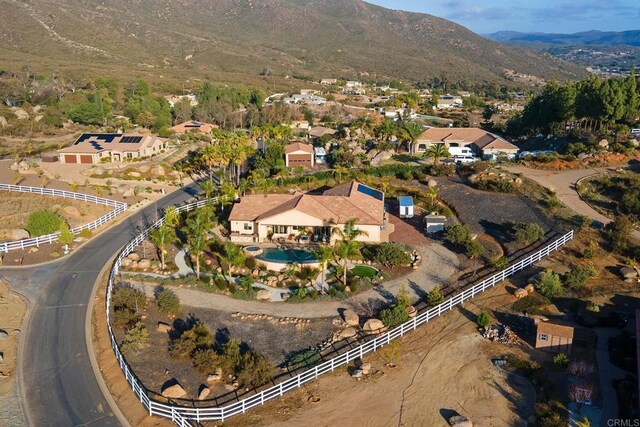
x,y
460,421
365,368
3,334
603,143
158,171
520,293
144,264
204,392
135,174
38,118
174,392
373,326
3,122
411,311
71,211
24,165
530,287
347,333
20,113
33,250
133,256
19,234
432,183
351,318
229,387
214,377
144,168
357,374
163,327
14,167
263,295
128,193
628,273
474,178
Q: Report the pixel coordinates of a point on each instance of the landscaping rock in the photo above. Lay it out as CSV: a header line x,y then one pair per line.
x,y
126,262
128,193
3,122
33,250
133,256
158,171
357,374
229,387
460,421
351,318
347,333
530,287
174,392
214,377
144,264
603,143
432,183
374,326
3,334
163,327
20,113
135,174
263,295
19,234
365,368
520,293
204,392
628,273
411,311
71,211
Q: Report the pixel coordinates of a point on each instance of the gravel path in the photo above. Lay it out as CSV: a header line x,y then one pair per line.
x,y
437,267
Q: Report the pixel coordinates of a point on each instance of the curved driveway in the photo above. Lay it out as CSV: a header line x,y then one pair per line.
x,y
58,385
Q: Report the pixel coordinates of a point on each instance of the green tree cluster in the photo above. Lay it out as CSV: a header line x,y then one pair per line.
x,y
42,222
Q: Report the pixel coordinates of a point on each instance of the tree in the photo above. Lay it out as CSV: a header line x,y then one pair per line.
x,y
42,222
527,233
388,254
135,338
207,187
66,236
146,119
549,284
162,237
182,110
197,226
619,233
397,313
432,192
168,302
474,250
348,248
323,254
435,297
458,235
232,255
255,369
436,152
197,337
483,319
410,132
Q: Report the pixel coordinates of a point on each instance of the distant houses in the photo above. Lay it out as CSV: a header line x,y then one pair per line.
x,y
328,82
192,126
92,148
446,102
483,143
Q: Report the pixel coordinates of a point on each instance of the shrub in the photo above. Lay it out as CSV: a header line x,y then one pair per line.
x,y
255,370
66,236
86,233
530,302
387,254
205,360
561,361
501,263
549,284
303,358
527,233
619,232
250,263
135,338
221,283
127,304
577,277
168,302
197,337
43,222
458,235
483,319
551,414
435,297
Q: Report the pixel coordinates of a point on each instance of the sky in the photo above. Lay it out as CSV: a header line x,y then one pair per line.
x,y
547,16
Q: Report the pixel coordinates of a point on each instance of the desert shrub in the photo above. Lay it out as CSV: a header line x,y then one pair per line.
x,y
127,304
577,277
66,236
435,297
458,235
549,284
250,263
551,414
619,231
168,302
43,222
483,319
303,358
255,370
527,233
529,367
561,361
205,360
197,337
135,338
387,254
221,283
501,263
394,315
530,302
86,233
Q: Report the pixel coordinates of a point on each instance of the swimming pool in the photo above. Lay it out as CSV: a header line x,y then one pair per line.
x,y
286,256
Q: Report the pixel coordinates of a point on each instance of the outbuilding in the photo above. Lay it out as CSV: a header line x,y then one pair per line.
x,y
434,223
406,206
299,154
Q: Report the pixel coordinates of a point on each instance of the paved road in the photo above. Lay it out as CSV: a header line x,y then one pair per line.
x,y
56,377
607,373
564,184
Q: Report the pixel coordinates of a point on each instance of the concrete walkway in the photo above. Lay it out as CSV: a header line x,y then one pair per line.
x,y
437,267
563,183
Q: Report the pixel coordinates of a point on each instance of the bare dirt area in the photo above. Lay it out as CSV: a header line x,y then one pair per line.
x,y
12,310
15,209
443,367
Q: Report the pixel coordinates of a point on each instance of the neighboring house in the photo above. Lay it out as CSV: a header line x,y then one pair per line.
x,y
448,101
261,218
328,82
300,126
554,337
94,147
353,87
304,99
491,147
399,113
474,138
319,132
299,154
194,127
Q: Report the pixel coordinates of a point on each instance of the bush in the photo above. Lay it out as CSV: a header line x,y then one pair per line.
x,y
527,233
387,254
198,337
303,358
127,304
250,263
434,297
561,361
255,370
549,284
577,277
205,360
551,414
458,235
483,319
530,302
501,263
221,283
619,232
134,338
86,233
66,236
168,302
42,222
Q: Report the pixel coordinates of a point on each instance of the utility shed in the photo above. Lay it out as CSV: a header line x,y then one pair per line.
x,y
406,206
434,223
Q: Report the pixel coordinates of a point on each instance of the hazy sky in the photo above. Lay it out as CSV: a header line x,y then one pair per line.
x,y
559,16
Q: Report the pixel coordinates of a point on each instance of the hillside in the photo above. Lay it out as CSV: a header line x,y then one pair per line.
x,y
233,39
586,38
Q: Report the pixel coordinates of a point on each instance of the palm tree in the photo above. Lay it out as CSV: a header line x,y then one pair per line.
x,y
323,254
161,238
243,186
232,255
267,185
437,151
171,216
348,248
339,170
207,187
196,228
410,133
432,192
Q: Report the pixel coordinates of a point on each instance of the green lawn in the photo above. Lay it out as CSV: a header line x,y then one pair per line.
x,y
364,271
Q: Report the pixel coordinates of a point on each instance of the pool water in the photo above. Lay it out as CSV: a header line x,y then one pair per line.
x,y
287,255
364,271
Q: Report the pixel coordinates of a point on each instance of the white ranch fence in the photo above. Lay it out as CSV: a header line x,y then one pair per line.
x,y
182,416
119,207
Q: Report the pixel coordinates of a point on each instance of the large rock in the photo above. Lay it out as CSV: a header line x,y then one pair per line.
x,y
214,377
133,256
144,264
365,368
351,318
19,234
126,262
163,327
174,392
520,293
135,174
128,193
373,326
263,295
460,421
628,273
204,392
3,122
432,183
158,171
20,113
71,211
347,333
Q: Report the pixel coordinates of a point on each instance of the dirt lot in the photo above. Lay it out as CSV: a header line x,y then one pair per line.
x,y
12,310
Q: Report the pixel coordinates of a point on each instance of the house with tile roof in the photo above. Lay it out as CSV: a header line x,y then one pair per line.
x,y
483,143
193,126
261,218
92,148
299,154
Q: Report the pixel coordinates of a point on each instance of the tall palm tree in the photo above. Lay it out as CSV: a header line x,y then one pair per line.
x,y
340,170
171,216
348,248
410,133
349,232
436,152
161,237
232,255
207,187
432,192
196,228
323,254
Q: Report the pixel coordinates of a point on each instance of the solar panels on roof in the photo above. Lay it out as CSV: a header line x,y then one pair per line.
x,y
370,192
104,137
130,139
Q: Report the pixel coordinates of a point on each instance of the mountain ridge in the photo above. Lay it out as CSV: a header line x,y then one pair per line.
x,y
587,38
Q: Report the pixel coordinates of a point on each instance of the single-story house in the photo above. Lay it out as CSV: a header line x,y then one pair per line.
x,y
448,101
434,223
92,148
474,138
260,218
406,206
328,82
554,337
299,154
320,131
490,147
194,127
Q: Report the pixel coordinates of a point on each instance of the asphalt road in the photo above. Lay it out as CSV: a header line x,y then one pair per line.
x,y
56,377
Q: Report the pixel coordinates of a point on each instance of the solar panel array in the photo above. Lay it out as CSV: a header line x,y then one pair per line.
x,y
103,137
130,139
370,192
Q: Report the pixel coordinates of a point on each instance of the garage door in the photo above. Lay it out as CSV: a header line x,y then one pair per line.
x,y
86,159
70,158
299,160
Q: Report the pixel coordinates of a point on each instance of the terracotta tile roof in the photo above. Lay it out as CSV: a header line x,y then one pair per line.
x,y
251,207
495,143
96,143
555,329
320,131
298,146
452,134
192,125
